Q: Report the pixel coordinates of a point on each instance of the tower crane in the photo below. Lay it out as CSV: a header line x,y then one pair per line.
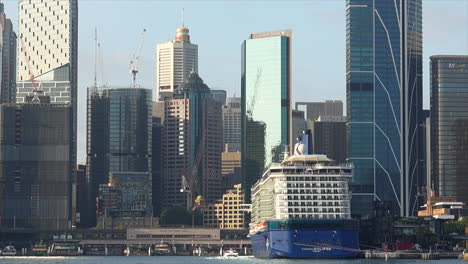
x,y
31,75
254,95
136,58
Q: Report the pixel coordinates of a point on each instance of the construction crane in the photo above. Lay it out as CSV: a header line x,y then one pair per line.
x,y
136,58
254,95
31,75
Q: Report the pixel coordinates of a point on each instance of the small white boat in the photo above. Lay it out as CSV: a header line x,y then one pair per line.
x,y
230,253
9,251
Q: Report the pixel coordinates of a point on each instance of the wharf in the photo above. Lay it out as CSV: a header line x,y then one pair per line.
x,y
411,255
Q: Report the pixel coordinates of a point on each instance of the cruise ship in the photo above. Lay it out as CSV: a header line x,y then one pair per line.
x,y
301,209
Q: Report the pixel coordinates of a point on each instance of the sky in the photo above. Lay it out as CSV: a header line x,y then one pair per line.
x,y
219,27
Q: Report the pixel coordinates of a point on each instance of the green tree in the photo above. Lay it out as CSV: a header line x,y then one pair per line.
x,y
175,216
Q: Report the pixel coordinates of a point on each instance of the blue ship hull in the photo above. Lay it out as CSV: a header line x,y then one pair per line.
x,y
302,239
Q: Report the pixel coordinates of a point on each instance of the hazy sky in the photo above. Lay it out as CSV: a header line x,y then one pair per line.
x,y
219,27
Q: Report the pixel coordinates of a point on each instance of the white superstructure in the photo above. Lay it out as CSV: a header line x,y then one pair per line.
x,y
303,187
174,62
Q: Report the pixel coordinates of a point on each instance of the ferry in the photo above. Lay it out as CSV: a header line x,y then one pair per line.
x,y
39,249
161,249
9,251
301,209
66,248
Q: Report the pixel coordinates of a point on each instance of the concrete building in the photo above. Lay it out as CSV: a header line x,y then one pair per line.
x,y
8,59
157,156
316,109
174,62
266,102
231,168
192,144
384,65
80,190
119,134
226,214
448,124
329,137
135,194
220,96
36,168
232,117
299,124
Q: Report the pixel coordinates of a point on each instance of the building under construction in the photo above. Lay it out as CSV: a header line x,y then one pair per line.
x,y
36,165
192,145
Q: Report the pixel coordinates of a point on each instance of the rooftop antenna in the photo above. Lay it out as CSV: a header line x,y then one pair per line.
x,y
95,57
182,18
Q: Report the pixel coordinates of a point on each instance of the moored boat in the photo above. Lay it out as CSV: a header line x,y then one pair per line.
x,y
161,249
9,251
39,249
230,253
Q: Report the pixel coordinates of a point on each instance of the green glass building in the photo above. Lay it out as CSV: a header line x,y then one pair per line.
x,y
266,102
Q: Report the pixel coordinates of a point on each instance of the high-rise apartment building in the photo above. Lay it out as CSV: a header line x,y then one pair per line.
x,y
48,36
327,108
35,166
8,59
232,124
449,126
226,214
231,168
329,137
192,144
119,134
384,103
266,102
174,62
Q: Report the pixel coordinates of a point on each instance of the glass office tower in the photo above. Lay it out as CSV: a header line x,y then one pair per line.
x,y
449,123
119,136
266,102
384,103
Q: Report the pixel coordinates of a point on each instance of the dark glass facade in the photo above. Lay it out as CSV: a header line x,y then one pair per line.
x,y
119,135
384,103
8,78
266,102
36,166
449,126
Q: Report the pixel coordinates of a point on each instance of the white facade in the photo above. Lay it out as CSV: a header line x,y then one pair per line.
x,y
48,33
303,187
174,62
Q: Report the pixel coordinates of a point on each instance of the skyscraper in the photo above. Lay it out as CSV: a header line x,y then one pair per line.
x,y
384,102
449,123
327,108
174,62
48,32
35,166
232,124
119,134
192,144
8,78
266,102
329,137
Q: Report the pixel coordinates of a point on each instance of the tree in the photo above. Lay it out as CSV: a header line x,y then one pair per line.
x,y
175,216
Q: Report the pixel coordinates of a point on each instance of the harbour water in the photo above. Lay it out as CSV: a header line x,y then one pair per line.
x,y
199,260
